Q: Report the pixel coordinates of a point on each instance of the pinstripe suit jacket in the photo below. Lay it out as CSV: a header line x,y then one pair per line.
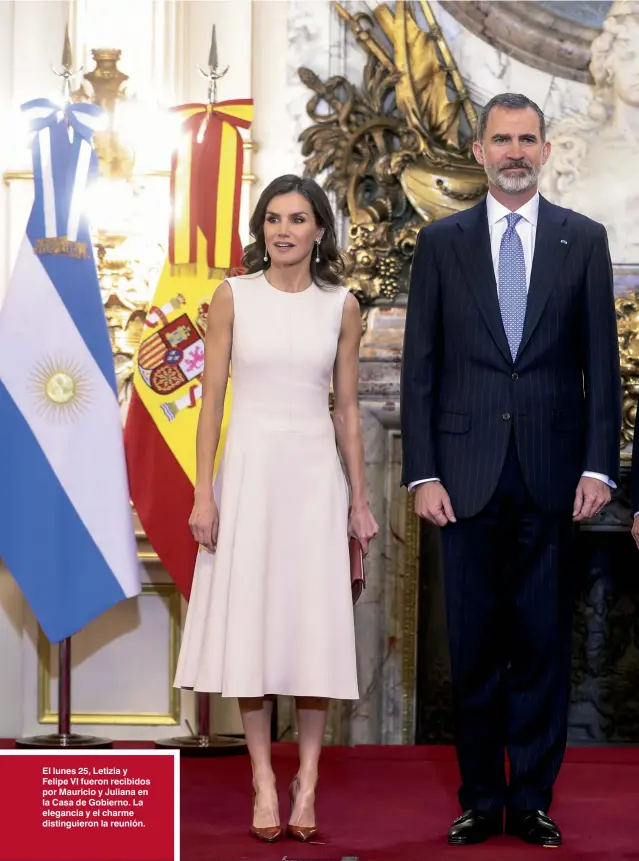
x,y
461,392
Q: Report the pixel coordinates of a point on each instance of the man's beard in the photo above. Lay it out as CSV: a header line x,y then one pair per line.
x,y
513,183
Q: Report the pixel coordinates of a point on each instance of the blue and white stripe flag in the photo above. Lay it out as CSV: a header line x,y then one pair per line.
x,y
66,526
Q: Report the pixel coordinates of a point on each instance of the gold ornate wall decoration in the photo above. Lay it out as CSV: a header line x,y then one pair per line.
x,y
398,148
107,88
628,331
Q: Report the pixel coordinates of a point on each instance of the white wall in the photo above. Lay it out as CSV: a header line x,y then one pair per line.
x,y
272,128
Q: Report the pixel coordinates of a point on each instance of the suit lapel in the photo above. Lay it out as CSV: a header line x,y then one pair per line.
x,y
472,245
551,246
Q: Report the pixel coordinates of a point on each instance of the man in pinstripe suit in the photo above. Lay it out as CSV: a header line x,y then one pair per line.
x,y
511,414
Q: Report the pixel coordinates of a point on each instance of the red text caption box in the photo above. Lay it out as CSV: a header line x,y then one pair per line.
x,y
72,806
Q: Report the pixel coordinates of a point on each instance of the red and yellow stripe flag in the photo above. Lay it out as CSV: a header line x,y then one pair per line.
x,y
204,244
206,185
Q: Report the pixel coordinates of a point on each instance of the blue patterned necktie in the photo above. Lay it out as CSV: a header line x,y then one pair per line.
x,y
513,292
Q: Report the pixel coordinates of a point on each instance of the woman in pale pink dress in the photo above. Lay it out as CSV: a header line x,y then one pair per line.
x,y
271,609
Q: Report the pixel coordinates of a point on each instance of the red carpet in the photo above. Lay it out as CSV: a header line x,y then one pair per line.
x,y
395,804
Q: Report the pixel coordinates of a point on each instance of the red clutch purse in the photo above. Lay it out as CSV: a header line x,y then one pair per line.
x,y
358,576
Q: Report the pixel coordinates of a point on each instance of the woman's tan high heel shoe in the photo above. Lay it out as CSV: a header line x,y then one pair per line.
x,y
303,833
267,835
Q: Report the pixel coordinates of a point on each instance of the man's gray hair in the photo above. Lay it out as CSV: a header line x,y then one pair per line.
x,y
512,102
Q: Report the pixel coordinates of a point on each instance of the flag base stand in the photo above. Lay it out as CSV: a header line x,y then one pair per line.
x,y
203,743
64,739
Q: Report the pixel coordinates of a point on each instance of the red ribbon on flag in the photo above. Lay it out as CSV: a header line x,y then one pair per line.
x,y
206,183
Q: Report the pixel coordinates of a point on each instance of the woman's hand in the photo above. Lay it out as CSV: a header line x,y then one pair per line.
x,y
362,525
204,521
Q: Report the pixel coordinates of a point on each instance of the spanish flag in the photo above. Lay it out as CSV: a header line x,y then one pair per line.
x,y
204,247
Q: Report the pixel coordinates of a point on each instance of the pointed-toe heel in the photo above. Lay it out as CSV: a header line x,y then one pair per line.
x,y
269,834
302,833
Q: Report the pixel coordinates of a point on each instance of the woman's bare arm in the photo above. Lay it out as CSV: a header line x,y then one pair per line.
x,y
348,431
217,357
346,409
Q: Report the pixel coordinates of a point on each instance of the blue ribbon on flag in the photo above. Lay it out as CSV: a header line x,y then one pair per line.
x,y
64,160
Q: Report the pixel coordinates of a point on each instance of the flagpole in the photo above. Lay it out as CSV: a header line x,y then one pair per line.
x,y
64,738
64,689
202,742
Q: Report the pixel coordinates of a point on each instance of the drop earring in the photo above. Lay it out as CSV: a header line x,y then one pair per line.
x,y
265,256
317,257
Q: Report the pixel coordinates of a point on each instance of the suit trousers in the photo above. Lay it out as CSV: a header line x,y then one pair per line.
x,y
509,586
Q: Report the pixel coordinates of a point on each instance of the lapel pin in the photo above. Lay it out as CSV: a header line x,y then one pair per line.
x,y
564,242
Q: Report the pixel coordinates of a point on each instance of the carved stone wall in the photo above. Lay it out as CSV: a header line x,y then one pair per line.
x,y
554,37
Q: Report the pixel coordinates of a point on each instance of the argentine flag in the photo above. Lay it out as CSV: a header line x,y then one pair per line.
x,y
66,526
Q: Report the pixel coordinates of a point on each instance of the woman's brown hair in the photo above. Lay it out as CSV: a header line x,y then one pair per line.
x,y
330,269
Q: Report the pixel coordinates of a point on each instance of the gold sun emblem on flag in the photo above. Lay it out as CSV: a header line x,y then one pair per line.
x,y
61,389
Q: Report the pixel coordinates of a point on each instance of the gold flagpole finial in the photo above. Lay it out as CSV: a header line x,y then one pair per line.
x,y
67,63
214,74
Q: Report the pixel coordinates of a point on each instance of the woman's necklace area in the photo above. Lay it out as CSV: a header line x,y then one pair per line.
x,y
282,290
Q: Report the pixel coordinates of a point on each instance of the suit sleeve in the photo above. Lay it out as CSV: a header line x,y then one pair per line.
x,y
420,363
602,374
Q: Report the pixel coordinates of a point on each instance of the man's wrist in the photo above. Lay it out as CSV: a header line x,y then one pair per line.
x,y
413,485
600,477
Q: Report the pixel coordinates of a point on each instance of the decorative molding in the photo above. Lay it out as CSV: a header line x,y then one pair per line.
x,y
48,715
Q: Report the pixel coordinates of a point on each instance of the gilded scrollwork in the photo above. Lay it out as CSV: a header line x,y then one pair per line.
x,y
128,268
628,330
397,150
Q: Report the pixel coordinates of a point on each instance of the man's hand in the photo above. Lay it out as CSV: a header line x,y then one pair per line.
x,y
591,496
635,529
433,503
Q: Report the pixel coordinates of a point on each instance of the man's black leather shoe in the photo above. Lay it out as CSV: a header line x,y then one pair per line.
x,y
475,827
533,826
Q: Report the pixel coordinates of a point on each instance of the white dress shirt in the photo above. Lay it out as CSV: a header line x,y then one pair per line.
x,y
526,227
